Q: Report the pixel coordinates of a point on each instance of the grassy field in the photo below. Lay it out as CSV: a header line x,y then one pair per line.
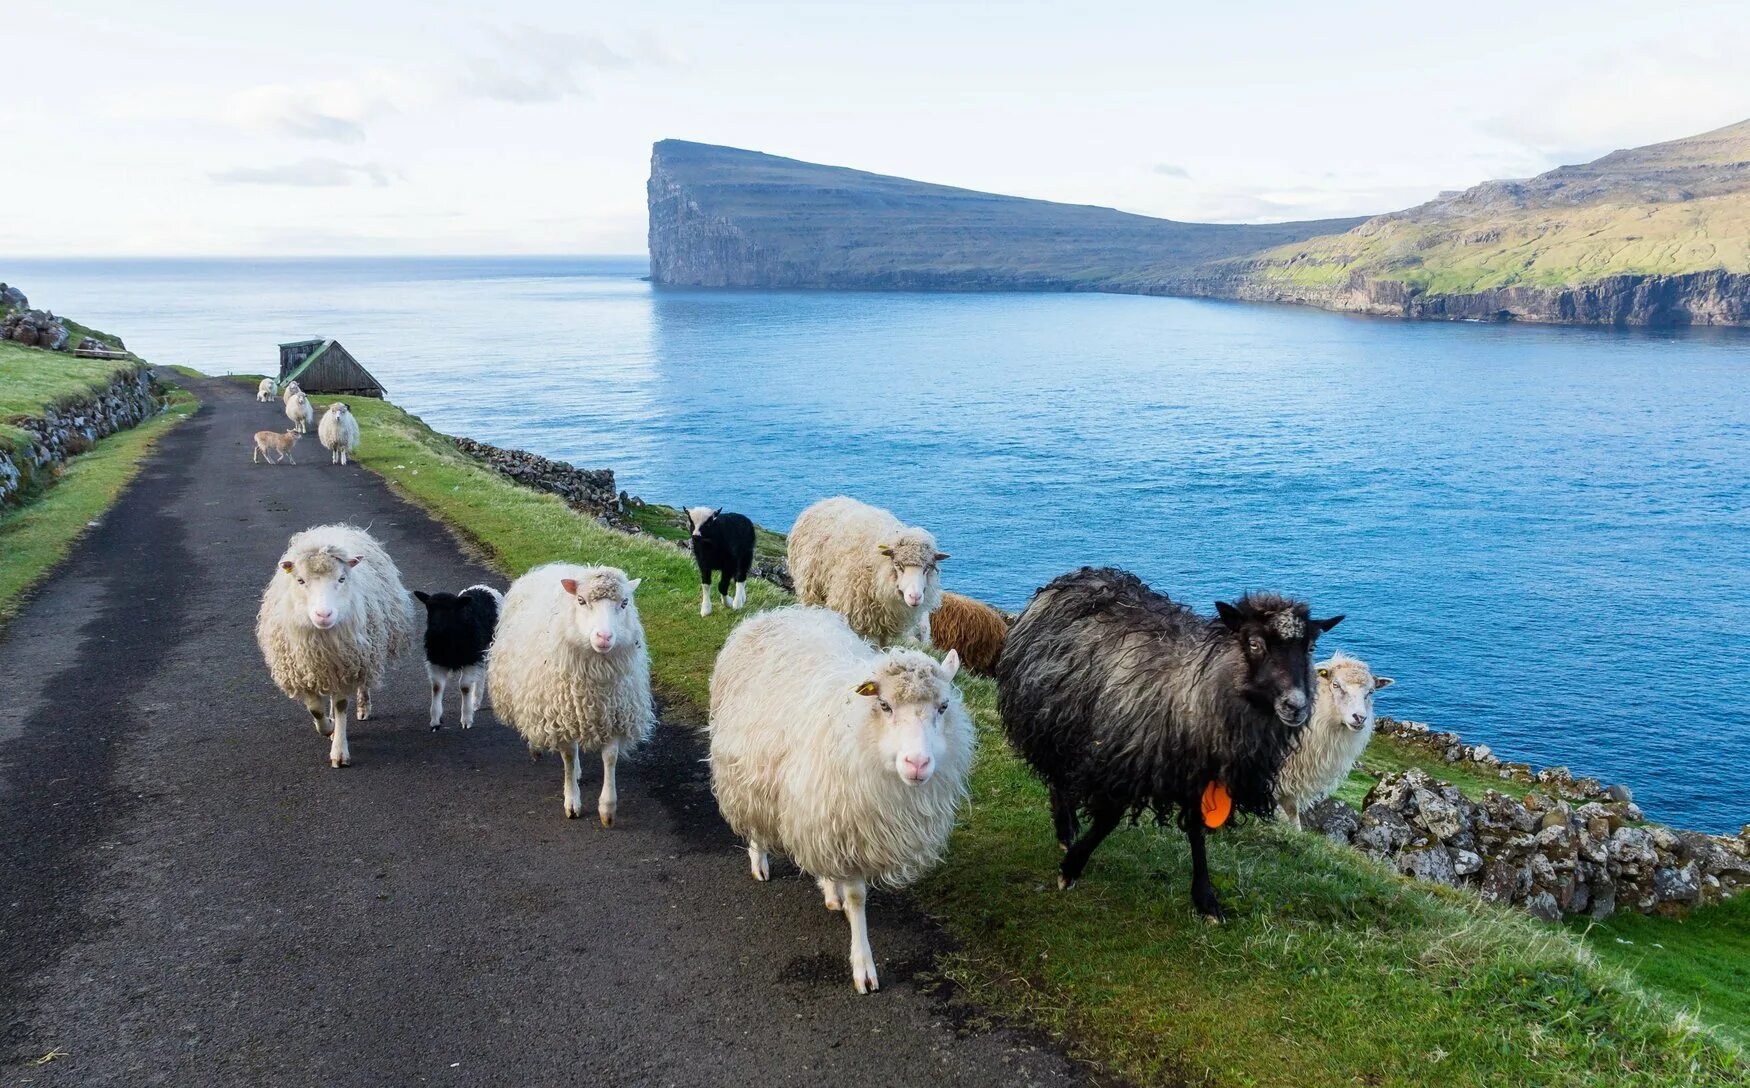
x,y
32,379
1330,972
36,536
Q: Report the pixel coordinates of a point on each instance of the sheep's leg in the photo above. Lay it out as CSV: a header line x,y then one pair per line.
x,y
1202,888
255,457
862,956
609,803
758,861
740,601
1102,819
724,584
317,705
470,695
364,702
1290,811
339,755
705,598
831,893
437,697
289,457
1063,817
573,794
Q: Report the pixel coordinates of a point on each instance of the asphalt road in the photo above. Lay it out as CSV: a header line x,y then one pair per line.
x,y
190,895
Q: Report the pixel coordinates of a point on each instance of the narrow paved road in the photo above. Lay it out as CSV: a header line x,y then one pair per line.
x,y
189,895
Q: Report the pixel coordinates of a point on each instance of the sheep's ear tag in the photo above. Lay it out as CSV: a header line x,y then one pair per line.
x,y
1217,805
286,565
884,549
867,687
1324,674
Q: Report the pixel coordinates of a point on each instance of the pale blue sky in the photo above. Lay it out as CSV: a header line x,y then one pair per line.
x,y
199,127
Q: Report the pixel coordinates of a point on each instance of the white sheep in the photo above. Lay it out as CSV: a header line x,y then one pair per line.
x,y
265,391
298,410
848,759
339,432
291,389
867,565
332,616
569,670
1334,737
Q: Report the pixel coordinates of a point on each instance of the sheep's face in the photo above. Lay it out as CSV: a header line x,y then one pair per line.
x,y
603,611
339,410
323,584
447,615
1348,685
914,563
698,516
908,698
1276,637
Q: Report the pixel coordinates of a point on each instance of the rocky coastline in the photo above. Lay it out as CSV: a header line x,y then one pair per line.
x,y
66,430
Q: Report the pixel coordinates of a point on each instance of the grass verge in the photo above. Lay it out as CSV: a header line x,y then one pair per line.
x,y
32,379
1330,972
38,535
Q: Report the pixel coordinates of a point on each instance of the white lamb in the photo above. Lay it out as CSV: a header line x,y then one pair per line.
x,y
298,410
265,391
332,616
849,759
867,565
569,671
339,432
1334,737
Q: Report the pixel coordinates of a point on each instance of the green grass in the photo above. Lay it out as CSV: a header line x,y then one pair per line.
x,y
38,535
1330,972
32,380
1701,962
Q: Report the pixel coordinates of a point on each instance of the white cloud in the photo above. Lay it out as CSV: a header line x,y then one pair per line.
x,y
312,173
1168,170
333,109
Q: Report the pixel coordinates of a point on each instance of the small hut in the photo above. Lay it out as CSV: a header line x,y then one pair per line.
x,y
323,366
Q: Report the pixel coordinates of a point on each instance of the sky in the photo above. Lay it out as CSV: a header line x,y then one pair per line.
x,y
210,127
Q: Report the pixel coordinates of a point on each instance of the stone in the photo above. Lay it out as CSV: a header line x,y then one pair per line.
x,y
1543,905
1481,754
1382,831
1619,792
1335,820
1466,862
1432,864
1677,885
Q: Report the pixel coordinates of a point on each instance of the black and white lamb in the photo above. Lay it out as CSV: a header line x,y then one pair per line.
x,y
722,545
1125,702
458,632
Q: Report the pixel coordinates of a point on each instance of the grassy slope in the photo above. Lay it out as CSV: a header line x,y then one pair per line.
x,y
1702,962
36,536
32,379
1330,973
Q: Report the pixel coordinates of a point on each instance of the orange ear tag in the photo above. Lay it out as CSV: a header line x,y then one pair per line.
x,y
1217,805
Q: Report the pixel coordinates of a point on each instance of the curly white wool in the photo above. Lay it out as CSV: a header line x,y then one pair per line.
x,y
1331,742
299,411
550,685
312,664
339,432
836,560
265,391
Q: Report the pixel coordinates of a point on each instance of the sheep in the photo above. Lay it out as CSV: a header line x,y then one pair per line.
x,y
1124,701
849,759
291,389
722,544
338,432
569,671
333,615
972,627
298,410
1341,725
265,391
268,443
863,563
458,633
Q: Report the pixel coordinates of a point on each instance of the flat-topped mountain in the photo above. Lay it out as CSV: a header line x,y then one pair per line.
x,y
1652,235
723,217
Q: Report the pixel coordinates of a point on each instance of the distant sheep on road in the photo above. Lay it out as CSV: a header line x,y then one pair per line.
x,y
867,565
298,410
273,444
265,391
333,615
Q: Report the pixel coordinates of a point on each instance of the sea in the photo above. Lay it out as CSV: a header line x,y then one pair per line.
x,y
1542,534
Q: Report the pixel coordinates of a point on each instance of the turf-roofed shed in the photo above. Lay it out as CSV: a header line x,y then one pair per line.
x,y
323,366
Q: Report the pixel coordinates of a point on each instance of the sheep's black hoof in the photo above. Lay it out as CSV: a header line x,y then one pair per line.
x,y
1065,883
437,727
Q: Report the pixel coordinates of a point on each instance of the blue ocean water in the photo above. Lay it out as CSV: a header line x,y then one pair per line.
x,y
1542,533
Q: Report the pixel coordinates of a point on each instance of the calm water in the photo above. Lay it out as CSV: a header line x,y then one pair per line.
x,y
1541,533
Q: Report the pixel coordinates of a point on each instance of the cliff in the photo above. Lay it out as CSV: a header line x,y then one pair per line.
x,y
1658,235
723,217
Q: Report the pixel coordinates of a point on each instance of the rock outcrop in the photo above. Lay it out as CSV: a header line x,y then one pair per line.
x,y
589,491
35,329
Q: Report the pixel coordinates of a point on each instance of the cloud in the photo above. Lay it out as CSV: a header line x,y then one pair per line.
x,y
532,65
312,173
1168,170
334,110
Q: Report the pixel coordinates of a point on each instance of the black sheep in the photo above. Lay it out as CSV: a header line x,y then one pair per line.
x,y
722,545
458,632
1124,701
